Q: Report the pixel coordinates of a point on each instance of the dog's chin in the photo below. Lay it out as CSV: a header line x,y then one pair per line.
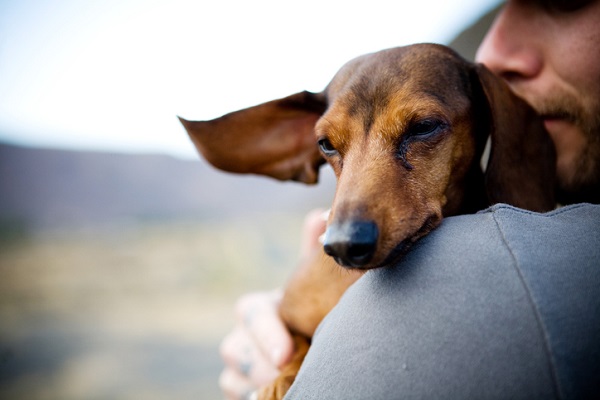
x,y
395,255
404,246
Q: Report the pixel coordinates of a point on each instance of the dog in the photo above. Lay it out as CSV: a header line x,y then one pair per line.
x,y
404,130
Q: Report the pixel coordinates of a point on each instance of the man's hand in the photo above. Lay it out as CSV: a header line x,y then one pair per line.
x,y
257,347
260,344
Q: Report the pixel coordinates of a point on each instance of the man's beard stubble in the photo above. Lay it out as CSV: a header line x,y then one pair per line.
x,y
583,183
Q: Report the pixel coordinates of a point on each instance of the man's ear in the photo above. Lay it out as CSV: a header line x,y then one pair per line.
x,y
275,138
522,165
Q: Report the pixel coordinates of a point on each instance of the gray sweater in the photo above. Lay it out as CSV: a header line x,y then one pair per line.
x,y
501,304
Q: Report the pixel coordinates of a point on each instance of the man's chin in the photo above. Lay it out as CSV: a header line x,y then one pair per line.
x,y
582,186
577,163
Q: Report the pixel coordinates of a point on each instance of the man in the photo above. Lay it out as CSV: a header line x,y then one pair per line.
x,y
501,304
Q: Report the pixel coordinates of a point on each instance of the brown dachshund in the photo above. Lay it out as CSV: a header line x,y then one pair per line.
x,y
404,130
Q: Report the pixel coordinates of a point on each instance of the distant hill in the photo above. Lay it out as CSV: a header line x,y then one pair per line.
x,y
47,188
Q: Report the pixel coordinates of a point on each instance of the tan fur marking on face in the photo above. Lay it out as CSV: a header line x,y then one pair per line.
x,y
373,184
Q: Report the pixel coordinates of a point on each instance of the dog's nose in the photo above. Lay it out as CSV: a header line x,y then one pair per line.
x,y
351,244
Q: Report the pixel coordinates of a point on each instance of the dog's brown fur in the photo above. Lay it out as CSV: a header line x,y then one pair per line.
x,y
404,130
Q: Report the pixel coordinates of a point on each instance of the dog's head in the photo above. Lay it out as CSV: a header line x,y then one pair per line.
x,y
403,130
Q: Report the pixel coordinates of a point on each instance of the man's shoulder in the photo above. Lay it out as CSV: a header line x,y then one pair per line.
x,y
583,213
502,231
554,257
499,304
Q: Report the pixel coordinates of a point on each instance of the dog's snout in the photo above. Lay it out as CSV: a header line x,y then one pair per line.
x,y
352,244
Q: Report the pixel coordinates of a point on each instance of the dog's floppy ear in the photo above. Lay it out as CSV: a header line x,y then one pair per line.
x,y
274,139
522,164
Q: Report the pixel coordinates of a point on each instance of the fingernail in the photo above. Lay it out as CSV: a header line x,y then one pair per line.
x,y
322,238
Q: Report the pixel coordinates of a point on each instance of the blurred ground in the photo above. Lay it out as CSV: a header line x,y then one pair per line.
x,y
131,312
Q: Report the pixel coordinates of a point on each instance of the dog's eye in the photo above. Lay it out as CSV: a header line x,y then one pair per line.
x,y
426,127
326,147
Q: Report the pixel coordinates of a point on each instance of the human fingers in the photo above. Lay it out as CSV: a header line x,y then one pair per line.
x,y
258,313
315,223
241,354
236,386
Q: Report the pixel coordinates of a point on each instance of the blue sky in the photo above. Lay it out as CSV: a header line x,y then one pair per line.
x,y
113,75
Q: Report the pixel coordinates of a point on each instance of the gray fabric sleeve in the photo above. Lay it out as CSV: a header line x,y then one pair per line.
x,y
501,304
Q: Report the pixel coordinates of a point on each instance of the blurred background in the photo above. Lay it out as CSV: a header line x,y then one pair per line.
x,y
121,253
